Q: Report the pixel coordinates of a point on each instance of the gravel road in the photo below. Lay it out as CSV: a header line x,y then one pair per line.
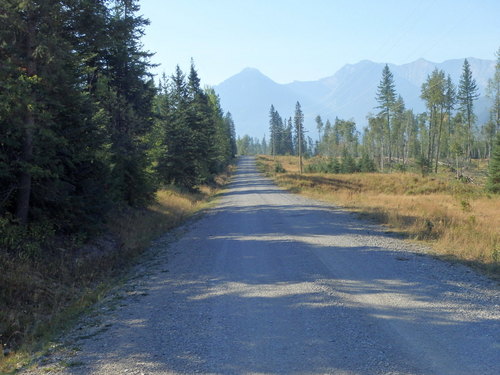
x,y
268,282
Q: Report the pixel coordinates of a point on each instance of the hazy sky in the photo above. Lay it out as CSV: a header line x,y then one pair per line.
x,y
310,39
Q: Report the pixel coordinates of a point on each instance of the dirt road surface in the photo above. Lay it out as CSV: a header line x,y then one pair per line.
x,y
269,282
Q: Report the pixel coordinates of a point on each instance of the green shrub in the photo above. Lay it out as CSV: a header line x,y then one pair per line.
x,y
278,168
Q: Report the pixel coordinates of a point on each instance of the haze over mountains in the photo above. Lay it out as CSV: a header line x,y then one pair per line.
x,y
348,94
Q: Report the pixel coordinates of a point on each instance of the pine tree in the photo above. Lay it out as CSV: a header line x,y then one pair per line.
x,y
366,164
334,165
202,119
288,138
50,150
348,164
493,183
273,130
467,93
298,121
386,97
178,163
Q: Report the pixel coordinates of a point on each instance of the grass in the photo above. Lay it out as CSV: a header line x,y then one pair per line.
x,y
459,220
40,296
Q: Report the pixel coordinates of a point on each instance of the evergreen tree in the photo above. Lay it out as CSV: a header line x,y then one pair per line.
x,y
288,138
366,164
274,130
386,97
493,183
348,164
467,93
50,153
298,122
203,120
224,142
334,166
178,163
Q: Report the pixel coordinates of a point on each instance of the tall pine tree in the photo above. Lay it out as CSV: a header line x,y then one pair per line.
x,y
298,122
386,97
467,94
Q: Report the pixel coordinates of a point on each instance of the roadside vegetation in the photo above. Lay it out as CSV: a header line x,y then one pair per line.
x,y
459,219
46,288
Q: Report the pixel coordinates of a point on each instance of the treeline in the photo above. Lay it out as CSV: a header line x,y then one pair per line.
x,y
287,137
84,128
447,132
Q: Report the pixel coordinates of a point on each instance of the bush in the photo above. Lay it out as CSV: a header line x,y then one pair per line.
x,y
330,165
424,165
348,164
25,241
278,168
366,164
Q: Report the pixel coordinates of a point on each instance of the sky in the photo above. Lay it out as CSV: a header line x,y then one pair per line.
x,y
305,40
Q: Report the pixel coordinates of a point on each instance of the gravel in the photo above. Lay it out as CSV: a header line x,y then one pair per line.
x,y
269,282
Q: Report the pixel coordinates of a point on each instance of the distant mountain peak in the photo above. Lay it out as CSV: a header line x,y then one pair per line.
x,y
422,60
246,75
250,70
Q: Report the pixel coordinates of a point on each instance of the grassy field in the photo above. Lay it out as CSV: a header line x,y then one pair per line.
x,y
459,220
41,295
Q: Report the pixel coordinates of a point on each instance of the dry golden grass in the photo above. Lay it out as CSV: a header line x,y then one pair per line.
x,y
459,220
136,228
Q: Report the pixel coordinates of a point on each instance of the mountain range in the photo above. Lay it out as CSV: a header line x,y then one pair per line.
x,y
348,94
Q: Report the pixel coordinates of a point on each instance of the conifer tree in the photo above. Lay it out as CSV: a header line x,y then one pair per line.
x,y
298,122
386,97
50,162
288,137
202,119
366,164
178,162
276,131
467,94
493,184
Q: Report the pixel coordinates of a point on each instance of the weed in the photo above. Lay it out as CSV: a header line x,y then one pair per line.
x,y
466,207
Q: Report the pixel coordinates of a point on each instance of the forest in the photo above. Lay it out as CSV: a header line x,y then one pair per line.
x,y
96,158
84,127
446,134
